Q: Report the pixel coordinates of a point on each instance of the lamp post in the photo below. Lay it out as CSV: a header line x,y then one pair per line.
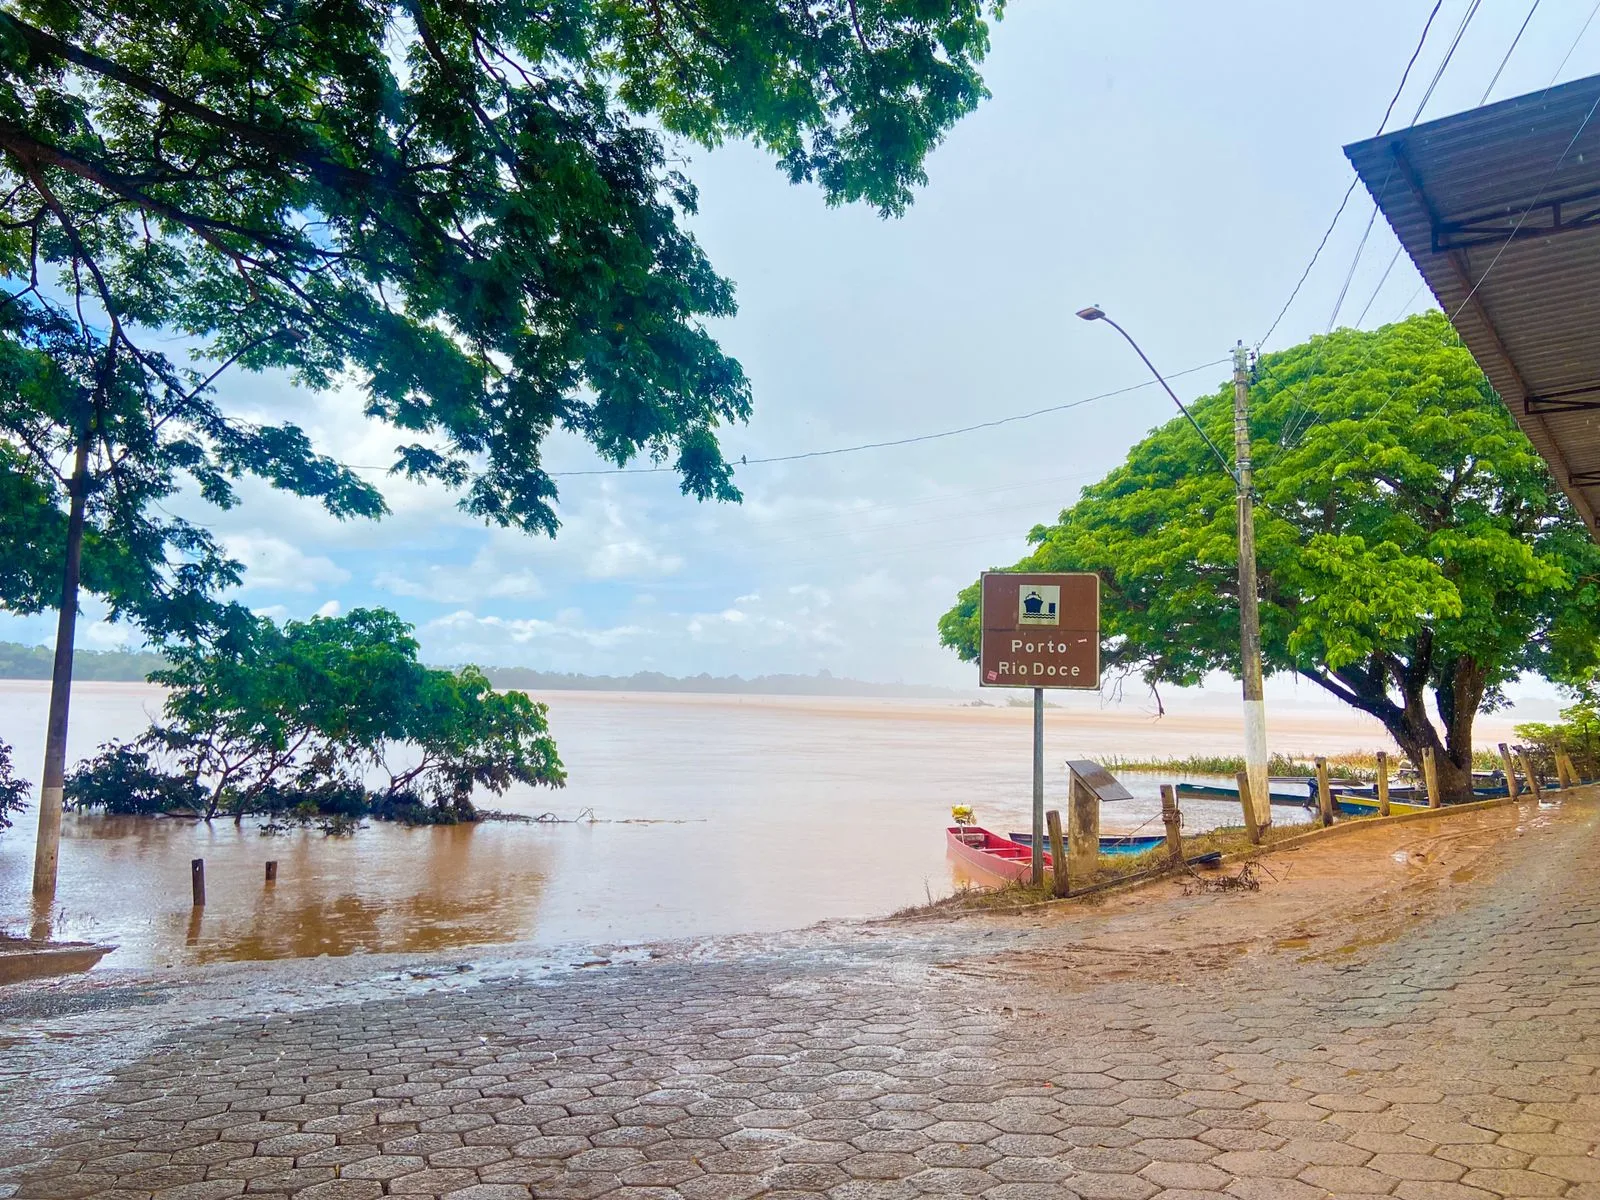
x,y
1255,710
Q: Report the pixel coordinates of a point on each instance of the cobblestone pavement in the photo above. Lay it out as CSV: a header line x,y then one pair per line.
x,y
1457,1060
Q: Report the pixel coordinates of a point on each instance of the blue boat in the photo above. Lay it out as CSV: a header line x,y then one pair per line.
x,y
1110,843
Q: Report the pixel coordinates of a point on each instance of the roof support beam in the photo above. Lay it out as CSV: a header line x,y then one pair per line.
x,y
1472,307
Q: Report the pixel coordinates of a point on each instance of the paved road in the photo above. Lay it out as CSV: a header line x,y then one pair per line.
x,y
1457,1060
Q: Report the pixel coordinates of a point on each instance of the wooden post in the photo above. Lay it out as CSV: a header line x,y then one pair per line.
x,y
1383,783
1038,786
1510,769
272,871
1569,773
197,881
1430,776
1058,852
1324,792
1083,834
1246,801
1173,820
1533,780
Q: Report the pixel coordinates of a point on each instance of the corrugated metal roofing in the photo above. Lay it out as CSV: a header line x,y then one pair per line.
x,y
1499,208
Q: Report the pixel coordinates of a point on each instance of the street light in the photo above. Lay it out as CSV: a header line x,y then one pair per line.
x,y
1094,313
1255,710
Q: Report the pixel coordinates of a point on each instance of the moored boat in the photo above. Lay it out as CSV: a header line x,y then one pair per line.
x,y
990,854
1110,843
1281,789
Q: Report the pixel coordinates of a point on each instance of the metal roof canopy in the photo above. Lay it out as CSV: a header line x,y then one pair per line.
x,y
1499,208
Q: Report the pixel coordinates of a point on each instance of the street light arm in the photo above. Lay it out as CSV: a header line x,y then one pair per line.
x,y
1226,466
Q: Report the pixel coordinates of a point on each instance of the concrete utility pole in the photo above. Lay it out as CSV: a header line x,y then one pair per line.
x,y
1255,707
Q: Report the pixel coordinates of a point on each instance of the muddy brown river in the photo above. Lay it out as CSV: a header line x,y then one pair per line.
x,y
713,815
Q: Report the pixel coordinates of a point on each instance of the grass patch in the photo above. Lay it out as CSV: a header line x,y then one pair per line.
x,y
1359,766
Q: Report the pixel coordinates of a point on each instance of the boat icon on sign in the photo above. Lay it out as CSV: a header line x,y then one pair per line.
x,y
1039,605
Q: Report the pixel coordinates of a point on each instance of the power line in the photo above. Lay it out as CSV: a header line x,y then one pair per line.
x,y
1444,62
1510,237
1484,99
1438,74
1291,424
1339,212
1574,46
883,445
1382,279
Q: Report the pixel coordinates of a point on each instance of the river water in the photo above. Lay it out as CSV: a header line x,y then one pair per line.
x,y
713,815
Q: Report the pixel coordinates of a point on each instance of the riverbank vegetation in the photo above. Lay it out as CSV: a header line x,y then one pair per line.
x,y
1411,544
332,717
13,791
1354,765
1577,733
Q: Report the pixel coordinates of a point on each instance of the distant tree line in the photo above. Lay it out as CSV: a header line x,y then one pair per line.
x,y
34,662
18,661
823,683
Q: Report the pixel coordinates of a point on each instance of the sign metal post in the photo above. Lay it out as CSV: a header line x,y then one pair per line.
x,y
1039,630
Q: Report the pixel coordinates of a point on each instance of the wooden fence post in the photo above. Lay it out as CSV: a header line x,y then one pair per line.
x,y
1383,783
197,881
1533,780
1510,769
1083,834
1251,826
1430,776
272,871
1569,773
1173,820
1324,792
1058,852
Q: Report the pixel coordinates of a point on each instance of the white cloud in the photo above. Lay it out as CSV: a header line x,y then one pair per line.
x,y
271,562
501,570
111,635
631,559
329,609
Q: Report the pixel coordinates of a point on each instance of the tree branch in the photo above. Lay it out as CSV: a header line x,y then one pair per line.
x,y
280,143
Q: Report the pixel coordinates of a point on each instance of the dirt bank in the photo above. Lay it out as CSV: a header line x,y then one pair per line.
x,y
1330,900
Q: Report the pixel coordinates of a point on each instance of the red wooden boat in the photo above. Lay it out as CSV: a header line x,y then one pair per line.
x,y
993,855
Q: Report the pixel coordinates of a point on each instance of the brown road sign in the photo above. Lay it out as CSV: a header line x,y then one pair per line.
x,y
1040,630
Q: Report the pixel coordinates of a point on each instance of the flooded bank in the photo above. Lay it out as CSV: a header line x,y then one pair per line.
x,y
763,813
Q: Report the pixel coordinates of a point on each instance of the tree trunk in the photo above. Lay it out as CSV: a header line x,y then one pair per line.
x,y
1414,732
47,851
1459,701
1368,688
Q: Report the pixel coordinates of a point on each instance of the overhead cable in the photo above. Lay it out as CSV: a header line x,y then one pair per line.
x,y
1339,212
1484,99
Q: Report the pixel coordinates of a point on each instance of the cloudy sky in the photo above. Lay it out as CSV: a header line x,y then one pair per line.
x,y
1173,162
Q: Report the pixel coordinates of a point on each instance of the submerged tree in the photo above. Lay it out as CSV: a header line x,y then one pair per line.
x,y
13,791
471,210
270,715
1409,539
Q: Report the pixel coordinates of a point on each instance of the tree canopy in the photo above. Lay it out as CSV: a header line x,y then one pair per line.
x,y
146,429
1409,540
474,210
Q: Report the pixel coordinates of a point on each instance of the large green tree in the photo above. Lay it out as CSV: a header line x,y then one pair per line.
x,y
1410,542
92,441
472,210
270,713
473,206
